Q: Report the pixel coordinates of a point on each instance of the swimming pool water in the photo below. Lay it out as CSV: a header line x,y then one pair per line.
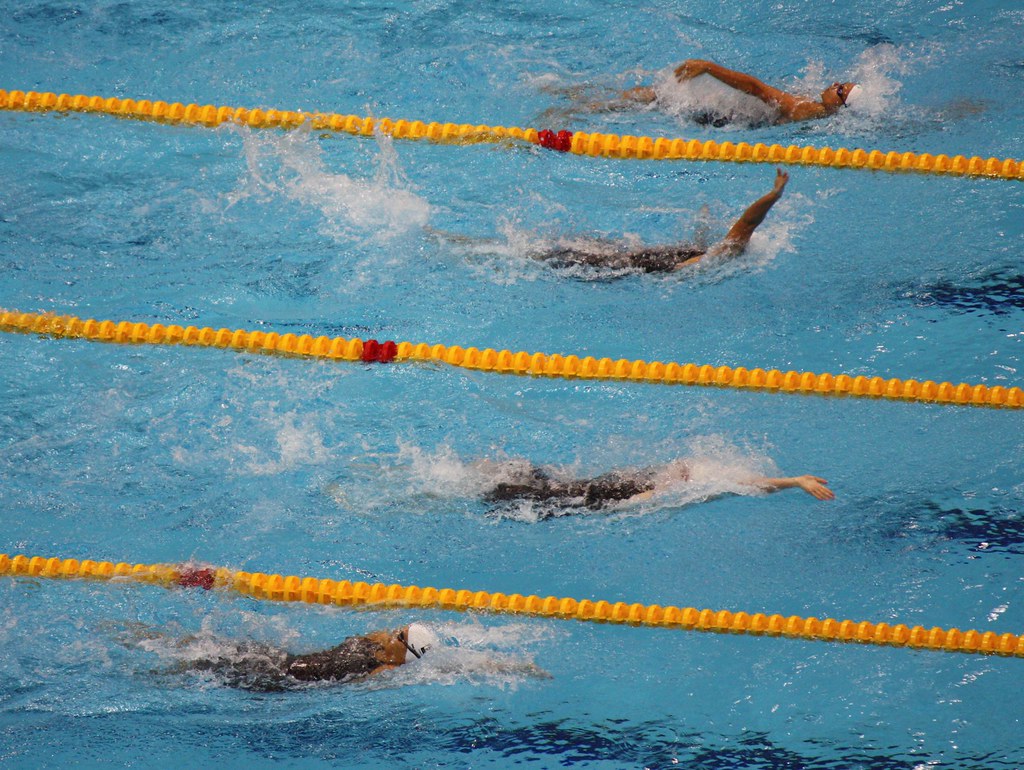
x,y
365,472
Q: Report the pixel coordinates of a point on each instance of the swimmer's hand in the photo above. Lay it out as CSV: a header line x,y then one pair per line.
x,y
781,178
815,486
691,68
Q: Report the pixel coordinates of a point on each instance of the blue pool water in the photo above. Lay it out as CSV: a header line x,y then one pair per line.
x,y
151,454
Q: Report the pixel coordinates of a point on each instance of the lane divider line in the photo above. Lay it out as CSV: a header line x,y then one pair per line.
x,y
520,363
577,143
310,590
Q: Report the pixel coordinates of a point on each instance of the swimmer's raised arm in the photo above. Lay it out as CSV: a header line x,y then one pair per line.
x,y
736,240
815,486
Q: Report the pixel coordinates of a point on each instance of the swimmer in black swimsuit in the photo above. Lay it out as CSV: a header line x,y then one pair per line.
x,y
788,107
666,259
528,482
263,667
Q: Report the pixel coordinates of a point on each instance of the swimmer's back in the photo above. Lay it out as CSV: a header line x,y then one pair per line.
x,y
351,659
648,259
596,493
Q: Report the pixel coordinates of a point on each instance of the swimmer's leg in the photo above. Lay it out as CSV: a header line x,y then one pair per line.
x,y
133,634
638,95
736,240
444,236
586,100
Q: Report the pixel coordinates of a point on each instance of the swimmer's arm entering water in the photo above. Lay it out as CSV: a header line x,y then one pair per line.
x,y
815,486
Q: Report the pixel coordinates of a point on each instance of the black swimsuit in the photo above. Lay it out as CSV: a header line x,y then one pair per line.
x,y
652,259
261,667
351,659
718,120
596,493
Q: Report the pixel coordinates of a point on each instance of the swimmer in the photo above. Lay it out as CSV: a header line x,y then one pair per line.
x,y
669,258
789,108
361,656
257,666
528,482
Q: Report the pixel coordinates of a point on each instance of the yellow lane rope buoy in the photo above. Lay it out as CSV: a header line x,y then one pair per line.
x,y
579,143
312,590
521,363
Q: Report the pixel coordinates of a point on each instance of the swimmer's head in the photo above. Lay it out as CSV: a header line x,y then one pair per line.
x,y
854,95
386,647
837,95
416,638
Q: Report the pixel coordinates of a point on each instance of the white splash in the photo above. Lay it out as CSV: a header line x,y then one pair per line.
x,y
874,71
993,616
476,654
292,165
442,473
299,442
295,441
706,96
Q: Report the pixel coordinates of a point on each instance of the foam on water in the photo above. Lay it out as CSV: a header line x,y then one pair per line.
x,y
255,437
291,441
491,655
705,95
293,165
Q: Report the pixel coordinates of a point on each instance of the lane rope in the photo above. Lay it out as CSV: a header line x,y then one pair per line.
x,y
578,143
521,363
310,590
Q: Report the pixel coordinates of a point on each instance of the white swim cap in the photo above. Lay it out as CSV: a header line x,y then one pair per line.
x,y
421,639
855,94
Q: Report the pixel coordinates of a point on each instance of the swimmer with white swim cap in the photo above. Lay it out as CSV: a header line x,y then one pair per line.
x,y
789,107
258,666
361,656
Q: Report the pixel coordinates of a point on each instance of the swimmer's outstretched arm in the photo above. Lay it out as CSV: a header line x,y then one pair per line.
x,y
736,240
741,81
691,68
444,236
790,106
815,486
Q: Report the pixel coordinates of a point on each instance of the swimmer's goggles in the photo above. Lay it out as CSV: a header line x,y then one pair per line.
x,y
842,93
401,637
